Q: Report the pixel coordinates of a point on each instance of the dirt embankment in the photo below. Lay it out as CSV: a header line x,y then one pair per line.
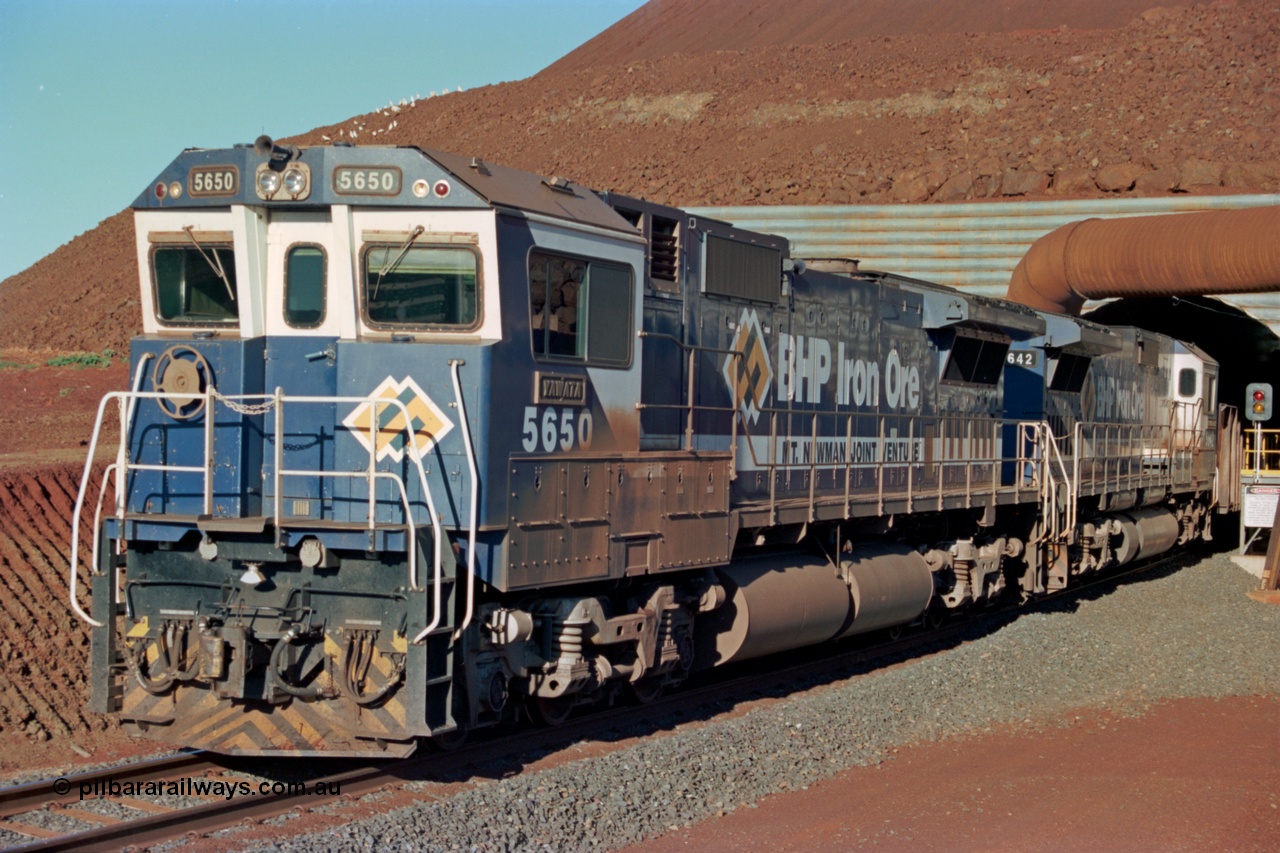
x,y
44,647
45,423
1177,100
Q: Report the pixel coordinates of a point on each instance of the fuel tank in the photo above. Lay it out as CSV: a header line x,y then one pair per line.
x,y
787,601
1146,532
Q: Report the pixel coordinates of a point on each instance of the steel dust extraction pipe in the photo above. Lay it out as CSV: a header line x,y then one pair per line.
x,y
1180,254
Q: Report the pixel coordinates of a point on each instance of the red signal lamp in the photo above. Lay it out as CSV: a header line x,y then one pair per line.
x,y
1259,397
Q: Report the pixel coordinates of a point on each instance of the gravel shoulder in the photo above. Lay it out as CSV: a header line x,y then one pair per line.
x,y
1184,632
1190,774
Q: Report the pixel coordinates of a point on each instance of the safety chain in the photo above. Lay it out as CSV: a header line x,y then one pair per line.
x,y
244,408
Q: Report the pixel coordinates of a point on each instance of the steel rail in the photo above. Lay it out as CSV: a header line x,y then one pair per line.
x,y
17,799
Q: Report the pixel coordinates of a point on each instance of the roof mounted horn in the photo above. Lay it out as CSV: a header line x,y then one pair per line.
x,y
265,146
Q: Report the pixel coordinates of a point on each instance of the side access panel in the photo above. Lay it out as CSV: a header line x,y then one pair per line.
x,y
573,519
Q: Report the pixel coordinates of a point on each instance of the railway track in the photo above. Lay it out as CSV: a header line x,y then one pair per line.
x,y
737,685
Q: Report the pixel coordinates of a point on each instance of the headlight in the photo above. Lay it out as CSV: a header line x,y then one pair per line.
x,y
295,182
268,183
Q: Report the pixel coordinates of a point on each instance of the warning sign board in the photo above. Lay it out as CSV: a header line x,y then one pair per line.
x,y
1260,505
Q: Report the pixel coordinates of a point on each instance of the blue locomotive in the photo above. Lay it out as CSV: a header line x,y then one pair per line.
x,y
417,443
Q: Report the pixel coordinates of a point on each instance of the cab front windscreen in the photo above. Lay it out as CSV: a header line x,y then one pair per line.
x,y
195,286
418,286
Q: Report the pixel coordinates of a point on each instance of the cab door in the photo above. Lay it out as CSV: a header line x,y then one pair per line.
x,y
309,305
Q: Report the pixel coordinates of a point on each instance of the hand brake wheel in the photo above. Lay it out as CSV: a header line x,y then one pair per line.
x,y
184,373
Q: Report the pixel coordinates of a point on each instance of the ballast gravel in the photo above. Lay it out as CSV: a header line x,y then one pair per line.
x,y
1186,631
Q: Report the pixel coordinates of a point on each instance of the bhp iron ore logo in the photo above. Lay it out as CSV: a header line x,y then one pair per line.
x,y
748,375
428,420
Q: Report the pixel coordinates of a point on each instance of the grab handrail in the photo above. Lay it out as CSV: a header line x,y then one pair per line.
x,y
454,365
123,466
84,485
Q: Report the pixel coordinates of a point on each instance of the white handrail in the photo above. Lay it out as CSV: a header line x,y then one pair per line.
x,y
84,485
475,488
121,471
416,454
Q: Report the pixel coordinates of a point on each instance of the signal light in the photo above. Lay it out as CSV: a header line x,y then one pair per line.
x,y
1258,399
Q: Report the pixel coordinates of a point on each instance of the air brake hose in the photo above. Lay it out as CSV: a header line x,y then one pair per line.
x,y
277,676
169,637
356,665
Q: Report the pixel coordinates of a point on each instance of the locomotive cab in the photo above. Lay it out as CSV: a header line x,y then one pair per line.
x,y
340,346
1195,388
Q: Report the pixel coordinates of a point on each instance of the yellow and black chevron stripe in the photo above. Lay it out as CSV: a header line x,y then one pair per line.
x,y
194,716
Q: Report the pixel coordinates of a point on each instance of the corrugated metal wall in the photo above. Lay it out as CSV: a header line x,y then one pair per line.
x,y
970,246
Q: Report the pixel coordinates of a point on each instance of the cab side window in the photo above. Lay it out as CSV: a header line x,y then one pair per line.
x,y
580,310
1187,382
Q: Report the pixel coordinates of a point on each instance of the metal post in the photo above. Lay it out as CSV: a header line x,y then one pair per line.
x,y
277,480
911,467
968,469
688,425
122,466
208,451
848,462
813,463
773,462
880,469
1257,451
995,469
373,462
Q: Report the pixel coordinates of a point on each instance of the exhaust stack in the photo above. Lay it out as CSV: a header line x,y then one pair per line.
x,y
1178,254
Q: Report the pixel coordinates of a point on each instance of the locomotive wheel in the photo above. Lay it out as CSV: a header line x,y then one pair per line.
x,y
646,690
551,712
183,372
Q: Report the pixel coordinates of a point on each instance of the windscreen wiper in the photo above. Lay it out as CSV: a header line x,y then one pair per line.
x,y
395,262
215,263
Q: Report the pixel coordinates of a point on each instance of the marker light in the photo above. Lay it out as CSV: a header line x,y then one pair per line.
x,y
295,182
160,190
175,189
421,188
441,189
268,182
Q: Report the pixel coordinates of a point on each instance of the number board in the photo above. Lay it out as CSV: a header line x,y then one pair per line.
x,y
213,180
366,180
556,388
1023,358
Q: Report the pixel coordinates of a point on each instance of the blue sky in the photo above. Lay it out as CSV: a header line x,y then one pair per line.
x,y
97,96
